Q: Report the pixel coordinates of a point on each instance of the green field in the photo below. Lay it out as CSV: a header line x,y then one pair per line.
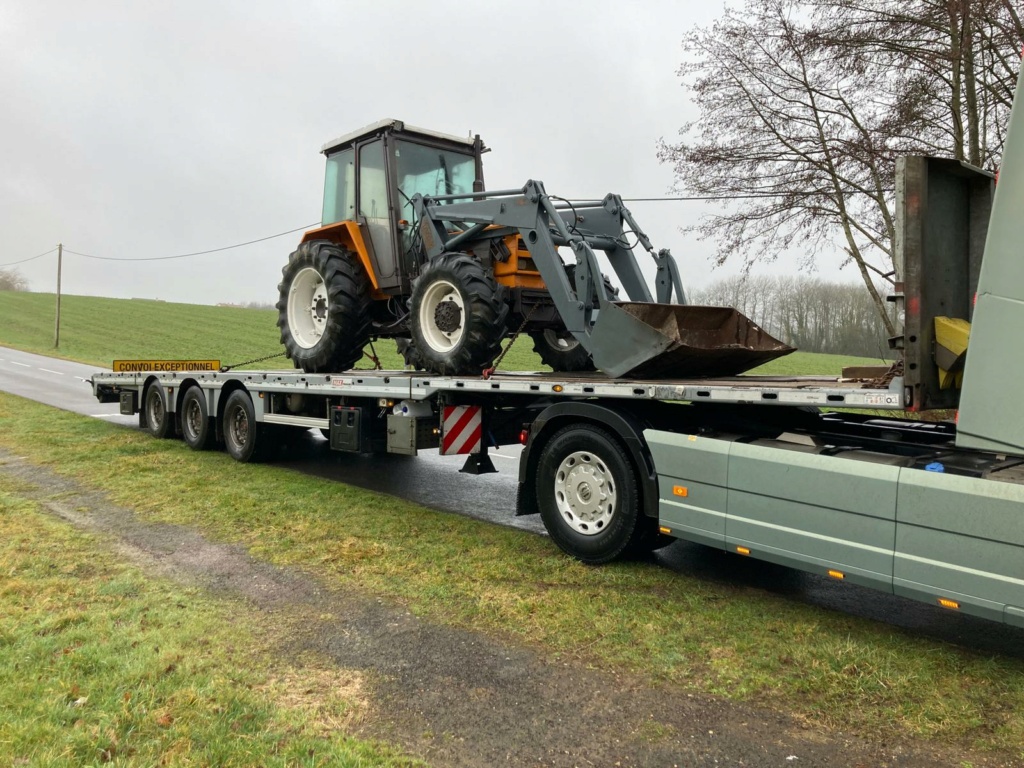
x,y
98,331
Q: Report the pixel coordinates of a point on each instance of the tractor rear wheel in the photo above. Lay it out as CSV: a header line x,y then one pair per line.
x,y
558,348
561,351
458,316
324,307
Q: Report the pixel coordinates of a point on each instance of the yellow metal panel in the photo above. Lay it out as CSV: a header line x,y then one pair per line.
x,y
164,366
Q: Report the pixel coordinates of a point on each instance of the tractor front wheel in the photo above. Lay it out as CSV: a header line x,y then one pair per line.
x,y
458,316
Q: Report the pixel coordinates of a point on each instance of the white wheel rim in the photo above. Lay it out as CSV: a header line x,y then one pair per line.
x,y
442,297
563,342
585,493
308,308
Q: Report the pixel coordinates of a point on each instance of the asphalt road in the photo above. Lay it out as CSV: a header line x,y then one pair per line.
x,y
435,481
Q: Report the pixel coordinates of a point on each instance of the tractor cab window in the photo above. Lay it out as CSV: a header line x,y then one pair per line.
x,y
340,188
431,172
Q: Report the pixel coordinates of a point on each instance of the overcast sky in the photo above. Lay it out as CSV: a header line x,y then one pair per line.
x,y
140,130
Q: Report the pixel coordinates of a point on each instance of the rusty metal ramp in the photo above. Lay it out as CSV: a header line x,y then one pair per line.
x,y
664,341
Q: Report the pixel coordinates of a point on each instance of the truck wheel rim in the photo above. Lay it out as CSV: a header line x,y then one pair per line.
x,y
192,422
442,316
585,493
308,308
155,412
238,427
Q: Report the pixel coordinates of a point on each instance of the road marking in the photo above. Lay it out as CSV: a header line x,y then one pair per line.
x,y
503,456
49,371
23,365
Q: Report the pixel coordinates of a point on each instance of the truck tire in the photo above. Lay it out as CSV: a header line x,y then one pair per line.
x,y
323,309
588,494
244,439
458,316
159,421
195,420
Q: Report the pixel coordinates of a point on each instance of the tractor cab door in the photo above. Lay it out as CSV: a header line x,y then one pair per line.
x,y
374,213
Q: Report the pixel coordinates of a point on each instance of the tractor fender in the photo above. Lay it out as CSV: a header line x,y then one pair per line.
x,y
347,235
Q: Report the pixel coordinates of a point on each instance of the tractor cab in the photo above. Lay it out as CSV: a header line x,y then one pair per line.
x,y
372,176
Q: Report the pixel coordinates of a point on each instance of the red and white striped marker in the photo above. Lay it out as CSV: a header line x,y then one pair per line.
x,y
461,429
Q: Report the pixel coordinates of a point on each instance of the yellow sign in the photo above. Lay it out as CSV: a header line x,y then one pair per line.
x,y
165,366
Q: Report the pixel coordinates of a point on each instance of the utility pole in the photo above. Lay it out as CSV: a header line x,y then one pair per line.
x,y
56,329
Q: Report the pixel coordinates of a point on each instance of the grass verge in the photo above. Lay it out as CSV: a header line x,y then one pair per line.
x,y
101,664
829,669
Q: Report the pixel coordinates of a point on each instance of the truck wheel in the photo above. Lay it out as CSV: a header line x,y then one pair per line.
x,y
587,493
159,421
458,315
243,438
323,307
195,420
560,351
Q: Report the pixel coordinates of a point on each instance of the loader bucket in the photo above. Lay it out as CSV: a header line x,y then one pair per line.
x,y
659,341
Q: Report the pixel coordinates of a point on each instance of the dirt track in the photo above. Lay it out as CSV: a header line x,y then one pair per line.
x,y
463,698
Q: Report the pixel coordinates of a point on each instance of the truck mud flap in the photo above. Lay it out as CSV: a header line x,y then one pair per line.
x,y
656,341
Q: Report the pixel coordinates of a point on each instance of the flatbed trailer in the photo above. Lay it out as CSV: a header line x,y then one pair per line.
x,y
761,466
751,464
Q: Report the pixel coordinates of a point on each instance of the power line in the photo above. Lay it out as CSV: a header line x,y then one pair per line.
x,y
33,258
196,253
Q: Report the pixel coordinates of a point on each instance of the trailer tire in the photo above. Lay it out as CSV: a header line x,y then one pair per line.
x,y
159,421
196,429
244,439
458,316
588,494
323,309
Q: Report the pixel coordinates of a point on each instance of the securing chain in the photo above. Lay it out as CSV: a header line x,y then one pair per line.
x,y
372,354
488,372
226,368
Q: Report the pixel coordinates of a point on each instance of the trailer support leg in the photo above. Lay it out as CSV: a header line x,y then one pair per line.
x,y
478,463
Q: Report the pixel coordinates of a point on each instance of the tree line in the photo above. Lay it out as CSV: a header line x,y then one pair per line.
x,y
809,313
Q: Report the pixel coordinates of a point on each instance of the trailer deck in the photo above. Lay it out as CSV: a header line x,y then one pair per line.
x,y
831,392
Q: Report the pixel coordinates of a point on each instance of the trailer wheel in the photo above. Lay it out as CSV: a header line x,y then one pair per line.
x,y
159,421
244,440
587,493
323,307
458,315
195,420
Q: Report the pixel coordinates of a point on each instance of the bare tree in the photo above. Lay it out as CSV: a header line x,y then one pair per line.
x,y
11,280
804,107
